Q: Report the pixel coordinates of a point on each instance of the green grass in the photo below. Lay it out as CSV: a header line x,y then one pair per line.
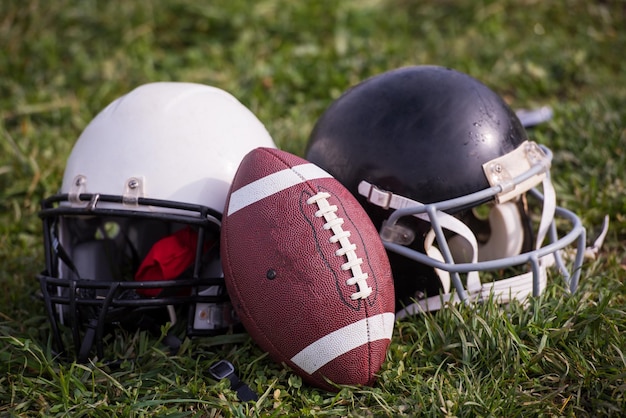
x,y
62,61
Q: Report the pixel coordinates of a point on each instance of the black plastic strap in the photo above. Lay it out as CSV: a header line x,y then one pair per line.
x,y
64,256
224,369
88,340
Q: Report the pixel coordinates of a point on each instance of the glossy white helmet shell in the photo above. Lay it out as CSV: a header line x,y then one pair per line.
x,y
173,141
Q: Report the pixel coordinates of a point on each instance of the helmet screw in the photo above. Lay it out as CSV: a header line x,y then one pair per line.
x,y
80,181
132,184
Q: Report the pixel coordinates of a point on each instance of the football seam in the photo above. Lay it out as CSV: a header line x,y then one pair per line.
x,y
371,299
347,247
349,302
369,341
307,194
290,167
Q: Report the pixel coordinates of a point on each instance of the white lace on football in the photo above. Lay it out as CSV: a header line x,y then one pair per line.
x,y
347,248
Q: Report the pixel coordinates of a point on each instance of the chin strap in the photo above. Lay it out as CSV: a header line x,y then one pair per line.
x,y
224,369
517,287
95,328
505,290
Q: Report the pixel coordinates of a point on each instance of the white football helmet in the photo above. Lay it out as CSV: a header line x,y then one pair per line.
x,y
133,233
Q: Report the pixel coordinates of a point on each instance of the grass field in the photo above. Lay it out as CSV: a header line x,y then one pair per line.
x,y
562,355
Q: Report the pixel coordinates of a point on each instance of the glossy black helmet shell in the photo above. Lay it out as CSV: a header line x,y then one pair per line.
x,y
421,131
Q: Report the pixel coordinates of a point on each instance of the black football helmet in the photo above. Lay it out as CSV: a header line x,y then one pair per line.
x,y
446,171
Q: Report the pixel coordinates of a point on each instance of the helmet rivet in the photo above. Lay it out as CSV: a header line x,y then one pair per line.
x,y
271,274
132,184
80,181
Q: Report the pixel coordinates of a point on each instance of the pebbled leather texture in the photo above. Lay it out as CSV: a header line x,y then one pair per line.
x,y
285,277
